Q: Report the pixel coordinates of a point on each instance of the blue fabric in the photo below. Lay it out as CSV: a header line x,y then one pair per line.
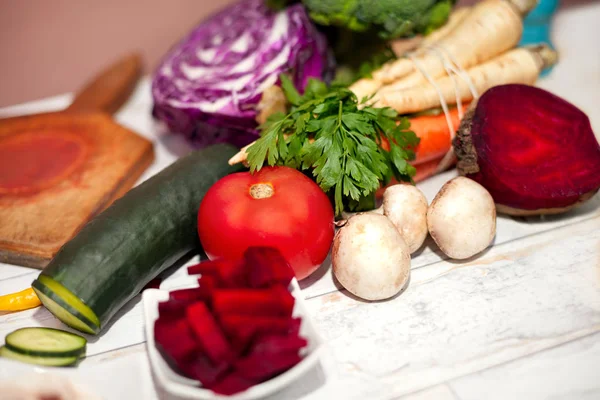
x,y
537,27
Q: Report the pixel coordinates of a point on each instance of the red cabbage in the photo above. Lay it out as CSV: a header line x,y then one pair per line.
x,y
207,87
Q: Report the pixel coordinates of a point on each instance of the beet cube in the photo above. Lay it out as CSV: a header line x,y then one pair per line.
x,y
208,282
199,367
153,284
232,273
266,266
175,339
261,368
271,344
241,329
192,295
204,268
276,301
208,333
173,309
227,273
232,383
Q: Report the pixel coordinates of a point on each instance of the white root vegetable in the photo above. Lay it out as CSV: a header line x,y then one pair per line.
x,y
462,218
521,65
406,207
491,28
273,100
455,19
370,258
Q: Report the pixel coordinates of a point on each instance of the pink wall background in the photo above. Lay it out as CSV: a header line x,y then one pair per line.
x,y
50,47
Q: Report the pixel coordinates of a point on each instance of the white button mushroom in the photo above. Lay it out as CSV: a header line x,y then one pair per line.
x,y
462,218
406,207
370,258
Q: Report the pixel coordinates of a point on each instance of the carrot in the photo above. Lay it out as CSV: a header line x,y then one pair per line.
x,y
424,171
521,65
435,135
490,28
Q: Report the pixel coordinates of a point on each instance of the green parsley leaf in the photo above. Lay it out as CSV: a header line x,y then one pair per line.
x,y
328,134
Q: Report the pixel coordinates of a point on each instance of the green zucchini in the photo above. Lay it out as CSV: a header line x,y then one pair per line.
x,y
46,342
119,251
37,360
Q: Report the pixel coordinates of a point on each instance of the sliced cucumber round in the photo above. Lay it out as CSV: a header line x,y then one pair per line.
x,y
37,360
65,306
46,342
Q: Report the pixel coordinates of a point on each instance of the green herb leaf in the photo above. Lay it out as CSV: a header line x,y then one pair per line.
x,y
327,133
290,90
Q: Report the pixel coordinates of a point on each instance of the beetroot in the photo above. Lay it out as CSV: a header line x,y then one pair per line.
x,y
191,295
533,151
208,333
204,268
175,339
199,367
227,273
259,367
209,283
241,329
236,329
266,266
268,345
233,383
276,301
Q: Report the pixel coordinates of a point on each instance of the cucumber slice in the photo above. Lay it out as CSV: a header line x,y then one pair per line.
x,y
46,342
62,310
37,360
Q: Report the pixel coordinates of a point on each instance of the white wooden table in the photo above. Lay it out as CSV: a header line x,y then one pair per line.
x,y
521,321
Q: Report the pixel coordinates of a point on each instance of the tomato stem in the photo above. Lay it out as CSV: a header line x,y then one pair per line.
x,y
262,191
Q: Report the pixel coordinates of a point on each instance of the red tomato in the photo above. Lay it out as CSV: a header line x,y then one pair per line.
x,y
278,207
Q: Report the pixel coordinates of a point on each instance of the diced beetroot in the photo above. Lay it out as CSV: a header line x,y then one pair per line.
x,y
242,328
193,294
199,367
232,383
266,266
208,333
208,282
208,267
232,273
276,301
533,151
228,273
173,309
261,368
153,284
175,339
271,344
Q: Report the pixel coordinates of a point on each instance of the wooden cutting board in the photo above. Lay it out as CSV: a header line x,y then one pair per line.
x,y
59,169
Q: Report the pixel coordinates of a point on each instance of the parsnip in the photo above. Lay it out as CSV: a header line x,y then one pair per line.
x,y
491,28
521,65
455,19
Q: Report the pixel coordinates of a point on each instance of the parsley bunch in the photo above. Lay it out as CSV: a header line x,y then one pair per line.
x,y
327,133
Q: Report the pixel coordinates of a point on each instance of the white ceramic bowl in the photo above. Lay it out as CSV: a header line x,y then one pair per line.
x,y
178,385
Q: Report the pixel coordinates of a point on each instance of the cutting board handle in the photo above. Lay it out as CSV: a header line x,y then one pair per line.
x,y
109,90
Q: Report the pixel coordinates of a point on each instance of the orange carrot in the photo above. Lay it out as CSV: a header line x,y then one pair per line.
x,y
434,134
427,169
424,170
